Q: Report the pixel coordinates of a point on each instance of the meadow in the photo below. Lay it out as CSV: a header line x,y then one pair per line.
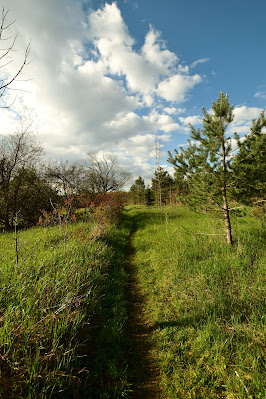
x,y
205,301
66,321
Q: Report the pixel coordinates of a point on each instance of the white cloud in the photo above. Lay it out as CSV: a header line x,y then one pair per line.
x,y
193,120
139,152
91,87
153,66
173,110
108,23
243,119
261,94
155,52
243,114
175,88
200,61
162,122
8,124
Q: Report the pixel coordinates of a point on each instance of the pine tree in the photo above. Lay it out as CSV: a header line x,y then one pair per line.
x,y
249,164
137,191
162,184
149,199
206,163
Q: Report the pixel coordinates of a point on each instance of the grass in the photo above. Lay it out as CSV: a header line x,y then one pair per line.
x,y
205,300
109,364
63,307
59,307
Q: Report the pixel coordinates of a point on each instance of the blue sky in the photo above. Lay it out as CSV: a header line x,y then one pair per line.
x,y
230,33
111,76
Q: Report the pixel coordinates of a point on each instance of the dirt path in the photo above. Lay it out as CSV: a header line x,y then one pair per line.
x,y
142,363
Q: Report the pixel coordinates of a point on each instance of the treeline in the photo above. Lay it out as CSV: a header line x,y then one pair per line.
x,y
28,185
216,171
163,190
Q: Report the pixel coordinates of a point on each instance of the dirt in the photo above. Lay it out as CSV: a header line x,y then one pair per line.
x,y
143,369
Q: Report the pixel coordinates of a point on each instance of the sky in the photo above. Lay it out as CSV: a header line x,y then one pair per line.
x,y
110,76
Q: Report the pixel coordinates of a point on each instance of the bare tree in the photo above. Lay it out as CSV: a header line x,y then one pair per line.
x,y
17,151
65,177
103,174
6,58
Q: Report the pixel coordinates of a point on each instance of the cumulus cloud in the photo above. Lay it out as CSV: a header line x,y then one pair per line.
x,y
155,52
147,72
243,114
243,117
193,120
174,110
175,88
90,84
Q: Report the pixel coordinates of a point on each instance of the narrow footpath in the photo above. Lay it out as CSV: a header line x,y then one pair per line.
x,y
142,363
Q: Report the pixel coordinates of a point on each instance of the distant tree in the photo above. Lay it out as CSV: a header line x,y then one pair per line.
x,y
18,151
6,57
103,173
149,199
30,192
206,163
137,191
67,178
162,186
181,185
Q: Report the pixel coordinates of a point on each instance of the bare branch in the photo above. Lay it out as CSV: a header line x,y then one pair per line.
x,y
5,84
103,174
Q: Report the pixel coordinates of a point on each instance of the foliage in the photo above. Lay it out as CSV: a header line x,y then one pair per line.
x,y
249,164
162,187
29,193
210,170
19,151
206,163
137,192
149,196
181,185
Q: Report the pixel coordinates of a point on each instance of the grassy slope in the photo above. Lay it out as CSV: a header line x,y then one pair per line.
x,y
206,302
59,311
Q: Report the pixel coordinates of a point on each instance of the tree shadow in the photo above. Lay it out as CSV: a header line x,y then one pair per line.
x,y
143,219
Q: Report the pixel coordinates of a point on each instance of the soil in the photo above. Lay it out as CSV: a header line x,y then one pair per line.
x,y
144,372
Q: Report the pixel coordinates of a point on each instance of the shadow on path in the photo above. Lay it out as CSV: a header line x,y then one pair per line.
x,y
143,369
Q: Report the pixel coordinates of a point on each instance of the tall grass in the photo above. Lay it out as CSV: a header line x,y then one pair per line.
x,y
206,302
63,307
51,306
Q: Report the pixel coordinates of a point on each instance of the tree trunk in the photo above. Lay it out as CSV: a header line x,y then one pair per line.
x,y
224,186
227,219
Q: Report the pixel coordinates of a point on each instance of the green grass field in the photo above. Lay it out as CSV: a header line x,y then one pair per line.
x,y
64,307
59,307
205,301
